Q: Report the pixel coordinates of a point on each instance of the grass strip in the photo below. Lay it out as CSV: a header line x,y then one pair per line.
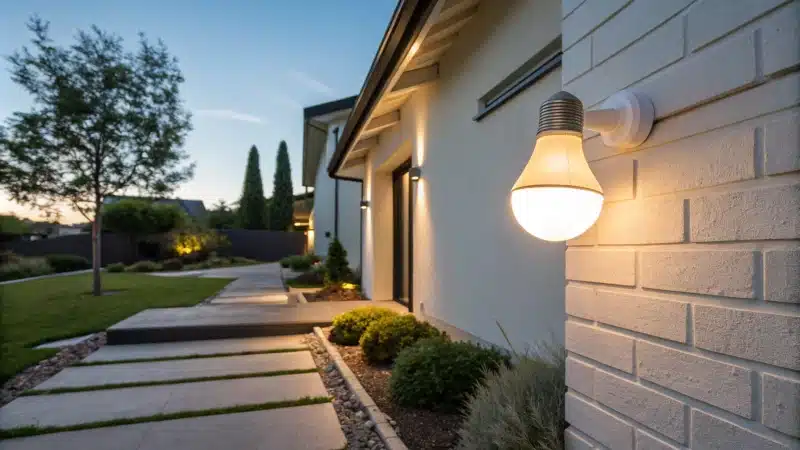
x,y
34,430
192,356
103,387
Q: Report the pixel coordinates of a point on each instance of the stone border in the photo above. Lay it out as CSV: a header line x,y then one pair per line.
x,y
382,426
301,298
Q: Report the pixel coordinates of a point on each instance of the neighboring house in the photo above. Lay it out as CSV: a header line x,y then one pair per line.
x,y
195,209
48,230
301,211
336,211
679,308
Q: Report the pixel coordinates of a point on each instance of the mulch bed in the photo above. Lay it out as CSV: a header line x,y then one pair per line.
x,y
419,429
334,294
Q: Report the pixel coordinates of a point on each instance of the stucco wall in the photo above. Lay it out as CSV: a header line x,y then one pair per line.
x,y
683,325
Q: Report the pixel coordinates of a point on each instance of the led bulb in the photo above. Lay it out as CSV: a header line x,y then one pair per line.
x,y
557,197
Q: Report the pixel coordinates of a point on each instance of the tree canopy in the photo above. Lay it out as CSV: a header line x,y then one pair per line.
x,y
282,200
252,207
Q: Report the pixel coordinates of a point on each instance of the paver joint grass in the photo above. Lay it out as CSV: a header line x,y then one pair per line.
x,y
49,309
34,430
192,356
102,387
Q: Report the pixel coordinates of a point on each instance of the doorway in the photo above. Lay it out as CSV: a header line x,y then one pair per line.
x,y
403,234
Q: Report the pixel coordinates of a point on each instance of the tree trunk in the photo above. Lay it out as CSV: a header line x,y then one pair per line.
x,y
97,237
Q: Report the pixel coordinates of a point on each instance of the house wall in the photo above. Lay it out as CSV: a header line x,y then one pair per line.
x,y
325,204
683,301
474,267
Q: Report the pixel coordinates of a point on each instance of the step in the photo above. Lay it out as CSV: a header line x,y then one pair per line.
x,y
142,372
95,406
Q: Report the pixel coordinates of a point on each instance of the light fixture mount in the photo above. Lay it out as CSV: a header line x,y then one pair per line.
x,y
624,120
415,173
364,204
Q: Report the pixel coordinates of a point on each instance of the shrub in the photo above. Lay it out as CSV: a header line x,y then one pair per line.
x,y
310,278
144,266
115,268
438,374
25,268
285,262
348,327
7,256
520,407
385,338
337,269
68,263
299,263
172,264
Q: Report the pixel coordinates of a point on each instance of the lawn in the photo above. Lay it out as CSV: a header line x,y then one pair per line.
x,y
38,311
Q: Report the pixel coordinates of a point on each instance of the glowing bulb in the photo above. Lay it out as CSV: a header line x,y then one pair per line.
x,y
557,196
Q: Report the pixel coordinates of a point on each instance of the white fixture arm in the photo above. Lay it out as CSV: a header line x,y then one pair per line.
x,y
601,120
624,120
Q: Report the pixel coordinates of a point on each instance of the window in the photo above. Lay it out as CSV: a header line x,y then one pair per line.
x,y
541,64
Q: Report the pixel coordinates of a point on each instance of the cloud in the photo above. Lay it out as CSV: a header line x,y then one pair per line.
x,y
227,114
285,100
311,82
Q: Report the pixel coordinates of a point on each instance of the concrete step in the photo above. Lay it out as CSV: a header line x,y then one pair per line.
x,y
96,406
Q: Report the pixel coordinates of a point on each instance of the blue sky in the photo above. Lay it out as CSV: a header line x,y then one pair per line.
x,y
250,68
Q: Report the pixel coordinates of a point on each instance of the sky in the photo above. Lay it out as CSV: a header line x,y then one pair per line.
x,y
250,68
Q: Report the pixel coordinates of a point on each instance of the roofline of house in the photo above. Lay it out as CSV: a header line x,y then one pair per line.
x,y
329,107
407,21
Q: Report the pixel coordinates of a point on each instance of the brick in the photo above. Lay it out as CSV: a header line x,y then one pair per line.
x,y
713,72
780,36
706,160
657,50
781,404
656,317
723,385
586,18
649,221
725,273
580,377
574,441
782,145
598,424
713,433
768,338
645,441
646,406
711,19
615,175
633,22
607,348
602,266
577,60
782,282
758,214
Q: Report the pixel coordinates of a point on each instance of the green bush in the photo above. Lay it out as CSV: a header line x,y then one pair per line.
x,y
337,269
299,263
383,339
7,256
25,268
348,327
144,266
520,407
285,262
115,268
438,374
172,264
68,263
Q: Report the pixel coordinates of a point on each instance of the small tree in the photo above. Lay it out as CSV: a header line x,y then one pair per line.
x,y
252,208
282,201
336,267
137,218
103,120
221,216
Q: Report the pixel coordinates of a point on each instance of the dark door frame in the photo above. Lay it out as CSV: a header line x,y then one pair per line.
x,y
397,239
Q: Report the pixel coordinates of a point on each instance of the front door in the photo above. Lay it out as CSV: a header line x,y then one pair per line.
x,y
401,193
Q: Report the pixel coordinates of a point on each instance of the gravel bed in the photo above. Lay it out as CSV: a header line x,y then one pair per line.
x,y
45,369
422,429
357,427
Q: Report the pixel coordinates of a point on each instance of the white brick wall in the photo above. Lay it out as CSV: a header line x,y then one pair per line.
x,y
683,326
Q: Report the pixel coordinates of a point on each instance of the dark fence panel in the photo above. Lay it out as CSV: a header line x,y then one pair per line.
x,y
264,245
116,248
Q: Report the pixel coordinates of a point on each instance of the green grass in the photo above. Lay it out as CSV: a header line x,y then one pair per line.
x,y
192,356
33,430
37,311
103,387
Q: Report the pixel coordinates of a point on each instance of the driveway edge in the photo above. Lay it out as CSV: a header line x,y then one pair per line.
x,y
382,426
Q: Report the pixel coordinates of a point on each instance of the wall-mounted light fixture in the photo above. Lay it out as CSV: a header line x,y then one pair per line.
x,y
415,173
557,196
364,204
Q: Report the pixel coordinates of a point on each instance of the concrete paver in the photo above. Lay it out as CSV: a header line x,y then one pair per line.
x,y
284,429
93,406
73,377
270,299
65,342
208,347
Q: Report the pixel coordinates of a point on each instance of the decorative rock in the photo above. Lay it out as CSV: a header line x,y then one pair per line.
x,y
360,415
369,424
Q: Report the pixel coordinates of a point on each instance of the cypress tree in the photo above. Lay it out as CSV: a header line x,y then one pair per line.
x,y
252,208
282,201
